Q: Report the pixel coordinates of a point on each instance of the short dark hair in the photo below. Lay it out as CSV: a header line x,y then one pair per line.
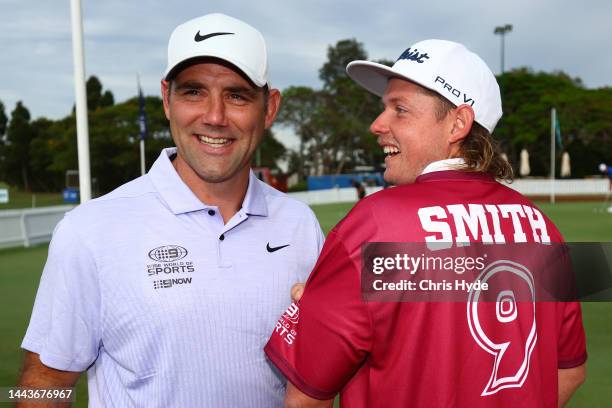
x,y
480,151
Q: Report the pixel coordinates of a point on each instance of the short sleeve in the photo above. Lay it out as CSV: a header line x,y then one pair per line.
x,y
572,343
311,238
319,343
64,327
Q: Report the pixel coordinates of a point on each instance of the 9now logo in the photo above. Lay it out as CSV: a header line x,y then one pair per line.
x,y
501,332
168,253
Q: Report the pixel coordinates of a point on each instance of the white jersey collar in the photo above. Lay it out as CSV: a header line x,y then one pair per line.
x,y
443,165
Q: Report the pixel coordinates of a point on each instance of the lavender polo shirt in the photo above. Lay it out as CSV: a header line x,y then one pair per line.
x,y
162,303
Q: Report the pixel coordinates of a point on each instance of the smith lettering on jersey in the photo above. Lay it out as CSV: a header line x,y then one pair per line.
x,y
481,223
474,353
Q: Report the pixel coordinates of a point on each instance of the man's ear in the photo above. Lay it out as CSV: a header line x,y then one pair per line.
x,y
463,119
165,91
274,99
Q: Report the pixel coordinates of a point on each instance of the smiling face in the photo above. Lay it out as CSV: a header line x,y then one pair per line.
x,y
410,133
217,119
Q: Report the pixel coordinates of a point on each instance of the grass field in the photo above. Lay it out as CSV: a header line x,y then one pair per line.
x,y
21,199
20,272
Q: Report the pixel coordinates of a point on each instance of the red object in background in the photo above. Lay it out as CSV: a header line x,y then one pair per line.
x,y
278,181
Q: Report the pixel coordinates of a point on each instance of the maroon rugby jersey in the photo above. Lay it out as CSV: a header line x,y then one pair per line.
x,y
418,354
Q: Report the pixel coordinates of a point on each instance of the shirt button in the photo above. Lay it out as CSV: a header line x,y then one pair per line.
x,y
221,237
211,212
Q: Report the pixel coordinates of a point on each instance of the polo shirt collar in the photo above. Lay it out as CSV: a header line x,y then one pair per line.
x,y
255,199
181,199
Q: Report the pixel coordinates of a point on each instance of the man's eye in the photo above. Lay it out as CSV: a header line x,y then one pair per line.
x,y
237,97
192,92
399,109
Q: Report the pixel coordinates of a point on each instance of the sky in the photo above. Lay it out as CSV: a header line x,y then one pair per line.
x,y
124,38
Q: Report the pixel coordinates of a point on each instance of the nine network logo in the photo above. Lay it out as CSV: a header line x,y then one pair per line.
x,y
168,283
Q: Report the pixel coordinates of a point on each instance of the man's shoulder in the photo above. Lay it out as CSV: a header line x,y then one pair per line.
x,y
129,196
282,202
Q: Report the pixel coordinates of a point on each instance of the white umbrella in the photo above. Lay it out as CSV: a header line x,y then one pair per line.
x,y
525,169
566,169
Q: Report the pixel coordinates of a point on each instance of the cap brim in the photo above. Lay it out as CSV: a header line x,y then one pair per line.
x,y
374,76
371,75
179,66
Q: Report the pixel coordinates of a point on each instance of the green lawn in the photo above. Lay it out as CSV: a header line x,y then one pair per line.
x,y
20,272
21,199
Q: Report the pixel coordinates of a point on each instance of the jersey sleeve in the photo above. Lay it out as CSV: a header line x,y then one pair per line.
x,y
64,327
321,341
572,343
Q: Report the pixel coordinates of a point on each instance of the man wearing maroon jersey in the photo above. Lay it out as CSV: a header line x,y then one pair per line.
x,y
441,104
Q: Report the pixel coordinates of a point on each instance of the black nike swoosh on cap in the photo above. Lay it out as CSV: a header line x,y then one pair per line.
x,y
199,37
274,249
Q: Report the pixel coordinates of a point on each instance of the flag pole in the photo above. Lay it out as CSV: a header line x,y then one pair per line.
x,y
553,124
142,157
143,126
80,101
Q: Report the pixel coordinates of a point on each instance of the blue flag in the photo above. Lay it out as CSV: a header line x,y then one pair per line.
x,y
558,132
142,114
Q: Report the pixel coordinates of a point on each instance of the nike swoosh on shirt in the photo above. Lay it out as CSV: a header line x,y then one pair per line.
x,y
199,37
274,249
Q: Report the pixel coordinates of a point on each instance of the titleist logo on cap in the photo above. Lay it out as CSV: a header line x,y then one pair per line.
x,y
411,55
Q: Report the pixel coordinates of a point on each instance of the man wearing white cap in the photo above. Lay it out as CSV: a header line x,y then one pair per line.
x,y
165,290
441,104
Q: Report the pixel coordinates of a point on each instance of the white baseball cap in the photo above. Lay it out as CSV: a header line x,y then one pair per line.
x,y
220,36
445,67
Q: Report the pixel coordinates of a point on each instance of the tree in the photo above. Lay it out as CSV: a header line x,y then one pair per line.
x,y
349,110
17,149
95,97
3,122
333,72
43,148
585,116
301,110
269,151
333,122
107,99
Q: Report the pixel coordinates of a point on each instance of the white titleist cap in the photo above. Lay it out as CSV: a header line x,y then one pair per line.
x,y
445,67
220,36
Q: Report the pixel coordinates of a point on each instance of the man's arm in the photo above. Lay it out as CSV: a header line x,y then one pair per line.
x,y
569,381
297,399
37,375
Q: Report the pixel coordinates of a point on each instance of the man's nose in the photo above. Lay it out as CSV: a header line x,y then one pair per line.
x,y
380,126
214,111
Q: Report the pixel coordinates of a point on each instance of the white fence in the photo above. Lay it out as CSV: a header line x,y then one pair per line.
x,y
29,226
529,187
34,226
570,187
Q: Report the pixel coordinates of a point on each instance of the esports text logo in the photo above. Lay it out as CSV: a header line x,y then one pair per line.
x,y
413,55
168,253
286,325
